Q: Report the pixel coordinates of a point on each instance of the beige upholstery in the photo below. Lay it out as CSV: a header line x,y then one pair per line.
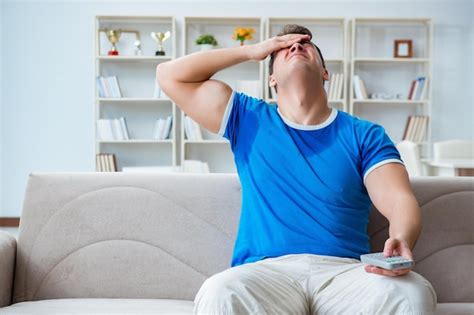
x,y
98,242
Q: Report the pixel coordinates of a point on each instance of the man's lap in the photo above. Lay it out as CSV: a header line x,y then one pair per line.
x,y
325,284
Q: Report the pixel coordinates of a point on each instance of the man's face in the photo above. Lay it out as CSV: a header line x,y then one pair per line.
x,y
294,60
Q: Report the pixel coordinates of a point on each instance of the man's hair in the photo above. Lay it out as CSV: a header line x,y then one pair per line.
x,y
294,29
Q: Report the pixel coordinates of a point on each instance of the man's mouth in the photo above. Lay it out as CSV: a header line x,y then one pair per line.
x,y
294,55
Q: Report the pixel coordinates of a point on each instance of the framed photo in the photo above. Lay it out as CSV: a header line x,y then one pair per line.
x,y
403,48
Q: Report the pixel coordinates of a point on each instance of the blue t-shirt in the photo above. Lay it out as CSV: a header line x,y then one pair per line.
x,y
302,185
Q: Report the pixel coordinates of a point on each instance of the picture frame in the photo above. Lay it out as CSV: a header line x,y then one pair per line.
x,y
403,48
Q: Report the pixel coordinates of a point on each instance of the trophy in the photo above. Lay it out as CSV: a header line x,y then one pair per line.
x,y
113,37
160,37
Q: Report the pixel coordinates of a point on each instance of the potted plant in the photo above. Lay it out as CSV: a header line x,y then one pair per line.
x,y
206,42
242,34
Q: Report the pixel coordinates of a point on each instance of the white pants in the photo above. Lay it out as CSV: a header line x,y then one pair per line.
x,y
312,284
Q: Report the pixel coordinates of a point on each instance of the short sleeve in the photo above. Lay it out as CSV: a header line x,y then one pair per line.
x,y
236,112
377,149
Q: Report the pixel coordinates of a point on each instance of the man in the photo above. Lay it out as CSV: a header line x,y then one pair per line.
x,y
309,174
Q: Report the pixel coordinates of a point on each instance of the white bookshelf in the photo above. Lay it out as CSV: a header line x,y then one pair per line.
x,y
330,35
371,58
214,149
136,76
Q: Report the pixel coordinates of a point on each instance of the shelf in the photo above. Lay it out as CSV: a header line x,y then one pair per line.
x,y
134,58
206,141
381,101
134,100
136,141
392,20
392,60
233,20
272,100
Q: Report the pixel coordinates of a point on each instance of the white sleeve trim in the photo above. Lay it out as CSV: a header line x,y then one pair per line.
x,y
373,167
227,112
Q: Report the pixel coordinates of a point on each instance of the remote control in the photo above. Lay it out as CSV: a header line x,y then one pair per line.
x,y
390,263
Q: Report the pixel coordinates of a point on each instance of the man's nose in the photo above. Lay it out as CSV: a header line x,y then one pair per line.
x,y
296,46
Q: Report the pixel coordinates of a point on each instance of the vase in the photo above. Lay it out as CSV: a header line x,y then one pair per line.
x,y
205,47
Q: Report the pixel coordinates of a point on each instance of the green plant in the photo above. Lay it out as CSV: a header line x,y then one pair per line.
x,y
206,39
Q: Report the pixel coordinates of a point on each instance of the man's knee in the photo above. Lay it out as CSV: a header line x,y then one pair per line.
x,y
219,294
250,289
405,294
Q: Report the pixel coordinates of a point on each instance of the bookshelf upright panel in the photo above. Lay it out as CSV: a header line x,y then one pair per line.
x,y
138,101
381,82
245,77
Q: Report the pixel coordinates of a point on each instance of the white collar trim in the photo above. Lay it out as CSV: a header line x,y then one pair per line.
x,y
295,125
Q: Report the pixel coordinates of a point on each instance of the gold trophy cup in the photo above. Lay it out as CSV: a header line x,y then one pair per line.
x,y
160,37
113,37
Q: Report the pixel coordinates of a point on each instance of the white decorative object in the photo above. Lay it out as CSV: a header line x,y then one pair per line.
x,y
205,47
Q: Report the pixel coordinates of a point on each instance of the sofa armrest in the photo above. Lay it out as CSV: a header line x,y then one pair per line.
x,y
7,267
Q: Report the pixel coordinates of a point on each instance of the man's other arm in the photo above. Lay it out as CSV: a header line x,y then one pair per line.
x,y
391,193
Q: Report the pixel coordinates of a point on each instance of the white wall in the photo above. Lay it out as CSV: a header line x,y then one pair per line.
x,y
48,72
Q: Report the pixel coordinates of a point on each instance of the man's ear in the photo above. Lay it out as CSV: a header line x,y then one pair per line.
x,y
326,75
271,81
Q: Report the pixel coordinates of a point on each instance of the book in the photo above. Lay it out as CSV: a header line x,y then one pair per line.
x,y
332,78
357,88
118,92
192,129
108,87
167,132
106,162
412,88
123,125
363,90
188,129
415,128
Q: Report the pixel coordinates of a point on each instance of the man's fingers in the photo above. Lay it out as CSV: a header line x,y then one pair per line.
x,y
385,272
292,37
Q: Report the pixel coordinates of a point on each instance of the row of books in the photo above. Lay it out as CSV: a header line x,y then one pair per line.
x,y
112,129
109,87
360,92
335,86
162,128
415,128
418,88
192,129
105,162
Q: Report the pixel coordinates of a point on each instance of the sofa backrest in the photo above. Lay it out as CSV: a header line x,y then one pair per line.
x,y
137,235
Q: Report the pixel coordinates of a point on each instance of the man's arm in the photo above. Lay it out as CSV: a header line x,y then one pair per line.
x,y
390,191
186,80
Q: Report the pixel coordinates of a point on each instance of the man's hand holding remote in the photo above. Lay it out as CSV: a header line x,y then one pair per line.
x,y
393,247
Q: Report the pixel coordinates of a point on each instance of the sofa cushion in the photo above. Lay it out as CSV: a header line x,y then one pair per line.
x,y
150,306
98,306
455,309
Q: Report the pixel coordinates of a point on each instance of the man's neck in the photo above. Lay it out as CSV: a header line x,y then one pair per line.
x,y
303,104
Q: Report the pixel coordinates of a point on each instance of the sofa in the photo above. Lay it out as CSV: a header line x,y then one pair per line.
x,y
143,243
